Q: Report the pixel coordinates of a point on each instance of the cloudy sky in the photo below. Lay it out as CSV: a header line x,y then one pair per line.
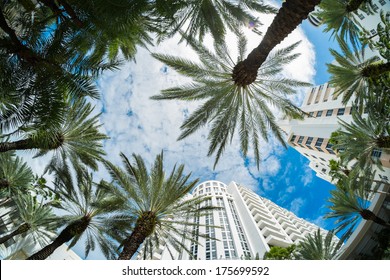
x,y
139,125
136,124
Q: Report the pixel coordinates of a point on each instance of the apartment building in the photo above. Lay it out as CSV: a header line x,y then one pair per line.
x,y
246,225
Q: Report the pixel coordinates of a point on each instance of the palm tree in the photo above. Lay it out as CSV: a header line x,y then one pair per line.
x,y
90,214
209,16
318,247
339,16
156,204
229,106
359,139
78,139
290,15
35,218
350,202
352,72
15,175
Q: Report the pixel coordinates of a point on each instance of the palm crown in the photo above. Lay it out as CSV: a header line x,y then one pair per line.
x,y
229,107
156,205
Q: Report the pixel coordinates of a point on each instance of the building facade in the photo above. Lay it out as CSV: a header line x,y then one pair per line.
x,y
245,226
310,136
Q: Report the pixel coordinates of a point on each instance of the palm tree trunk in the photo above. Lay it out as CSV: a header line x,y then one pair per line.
x,y
290,15
25,144
375,69
21,229
71,12
143,228
370,216
75,228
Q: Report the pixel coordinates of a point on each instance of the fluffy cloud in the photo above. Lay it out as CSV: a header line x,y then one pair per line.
x,y
296,205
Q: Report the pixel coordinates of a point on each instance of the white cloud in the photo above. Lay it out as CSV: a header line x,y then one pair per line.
x,y
296,204
291,189
307,177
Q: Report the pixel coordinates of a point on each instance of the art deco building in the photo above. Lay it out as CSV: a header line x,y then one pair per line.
x,y
245,225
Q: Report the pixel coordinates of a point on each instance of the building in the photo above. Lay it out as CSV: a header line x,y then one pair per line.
x,y
310,136
246,225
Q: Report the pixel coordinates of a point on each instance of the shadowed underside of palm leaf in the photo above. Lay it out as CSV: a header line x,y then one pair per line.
x,y
229,108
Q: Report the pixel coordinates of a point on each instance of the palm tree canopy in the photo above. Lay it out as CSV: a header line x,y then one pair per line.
x,y
352,72
229,107
15,175
339,16
360,138
318,247
200,17
156,204
93,208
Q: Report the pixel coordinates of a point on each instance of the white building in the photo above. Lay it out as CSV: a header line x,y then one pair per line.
x,y
310,136
246,225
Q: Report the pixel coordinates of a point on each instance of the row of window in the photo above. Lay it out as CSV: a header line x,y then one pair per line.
x,y
328,113
308,143
374,7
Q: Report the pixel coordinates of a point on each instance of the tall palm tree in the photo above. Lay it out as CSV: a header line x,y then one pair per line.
x,y
228,106
318,247
156,203
35,218
77,139
339,16
352,73
349,203
15,175
90,210
212,17
360,138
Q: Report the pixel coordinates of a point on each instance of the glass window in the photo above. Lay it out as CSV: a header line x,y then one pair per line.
x,y
376,153
319,142
382,2
373,32
311,114
293,138
329,148
340,111
300,139
329,113
319,113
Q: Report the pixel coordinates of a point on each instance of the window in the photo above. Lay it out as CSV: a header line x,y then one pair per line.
x,y
322,159
208,184
382,2
329,113
329,148
308,142
373,32
340,111
376,153
319,142
319,113
311,114
323,170
300,139
375,7
293,138
360,16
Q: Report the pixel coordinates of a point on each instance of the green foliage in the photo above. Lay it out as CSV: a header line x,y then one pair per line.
x,y
229,109
162,195
280,253
318,247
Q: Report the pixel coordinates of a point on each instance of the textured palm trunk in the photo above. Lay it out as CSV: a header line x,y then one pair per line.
x,y
29,144
290,15
74,229
353,5
21,229
144,227
370,216
375,69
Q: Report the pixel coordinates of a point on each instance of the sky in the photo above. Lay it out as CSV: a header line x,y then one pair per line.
x,y
137,124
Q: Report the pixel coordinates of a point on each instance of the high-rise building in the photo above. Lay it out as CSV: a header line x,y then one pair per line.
x,y
245,225
310,136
